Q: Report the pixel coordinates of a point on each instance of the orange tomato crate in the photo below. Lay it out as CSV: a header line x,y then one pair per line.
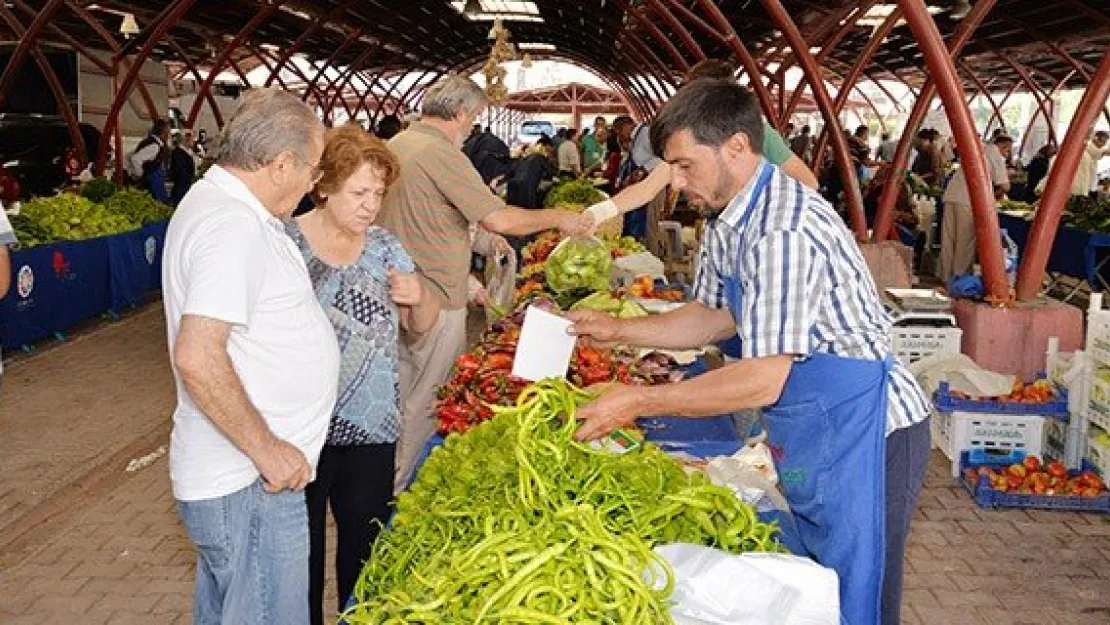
x,y
986,496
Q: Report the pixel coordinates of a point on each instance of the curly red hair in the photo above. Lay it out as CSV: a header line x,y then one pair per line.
x,y
347,148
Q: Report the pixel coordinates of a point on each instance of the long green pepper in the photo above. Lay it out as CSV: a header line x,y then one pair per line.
x,y
515,522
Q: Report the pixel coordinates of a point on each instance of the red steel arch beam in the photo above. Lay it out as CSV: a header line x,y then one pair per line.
x,y
192,68
53,83
645,66
90,55
654,32
398,76
665,74
416,89
330,62
153,35
825,105
827,48
683,35
982,88
345,76
310,89
27,37
267,62
1002,102
225,55
113,45
385,96
943,69
850,81
1045,224
884,219
303,38
1034,89
747,61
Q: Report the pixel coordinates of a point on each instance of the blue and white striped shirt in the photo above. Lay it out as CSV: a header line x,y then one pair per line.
x,y
805,286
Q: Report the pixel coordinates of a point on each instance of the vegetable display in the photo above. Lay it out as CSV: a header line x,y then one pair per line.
x,y
99,189
138,206
579,263
578,191
1032,477
70,217
515,522
67,217
482,377
605,302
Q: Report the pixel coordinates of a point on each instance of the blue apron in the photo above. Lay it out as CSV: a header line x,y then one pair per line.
x,y
827,434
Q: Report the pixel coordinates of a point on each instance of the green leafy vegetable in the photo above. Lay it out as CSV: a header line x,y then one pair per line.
x,y
68,217
579,263
580,192
138,206
99,189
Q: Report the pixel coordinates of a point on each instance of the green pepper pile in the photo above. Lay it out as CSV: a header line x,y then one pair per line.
x,y
515,522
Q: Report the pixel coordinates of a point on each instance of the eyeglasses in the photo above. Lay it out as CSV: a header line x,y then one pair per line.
x,y
317,173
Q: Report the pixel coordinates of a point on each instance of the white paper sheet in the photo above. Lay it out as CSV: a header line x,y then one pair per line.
x,y
545,348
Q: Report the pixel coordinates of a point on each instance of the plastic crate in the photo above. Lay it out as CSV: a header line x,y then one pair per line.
x,y
987,497
912,343
1000,438
1098,401
1098,453
1056,409
1098,330
698,437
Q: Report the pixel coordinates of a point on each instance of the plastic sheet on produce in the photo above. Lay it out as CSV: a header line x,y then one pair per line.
x,y
713,587
962,374
500,283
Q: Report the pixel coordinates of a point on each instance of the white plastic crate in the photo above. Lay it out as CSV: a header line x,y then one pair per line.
x,y
1098,452
1098,331
1098,404
912,343
994,434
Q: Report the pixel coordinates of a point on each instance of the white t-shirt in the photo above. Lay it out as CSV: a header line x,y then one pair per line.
x,y
569,159
7,237
228,258
957,192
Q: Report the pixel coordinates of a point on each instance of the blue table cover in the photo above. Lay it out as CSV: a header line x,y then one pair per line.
x,y
1075,253
57,286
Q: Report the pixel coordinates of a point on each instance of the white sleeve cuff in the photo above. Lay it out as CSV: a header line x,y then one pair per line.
x,y
603,211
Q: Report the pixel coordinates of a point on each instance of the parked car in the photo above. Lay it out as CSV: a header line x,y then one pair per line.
x,y
37,152
532,130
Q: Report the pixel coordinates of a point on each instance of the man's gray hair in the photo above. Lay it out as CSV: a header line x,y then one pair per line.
x,y
450,95
266,123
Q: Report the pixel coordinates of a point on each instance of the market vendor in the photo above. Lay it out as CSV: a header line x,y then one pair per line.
x,y
846,422
632,199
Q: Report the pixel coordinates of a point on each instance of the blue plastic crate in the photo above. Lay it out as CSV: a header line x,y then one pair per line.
x,y
698,437
1055,409
987,497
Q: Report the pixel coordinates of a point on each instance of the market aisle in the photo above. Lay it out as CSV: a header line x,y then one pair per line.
x,y
117,553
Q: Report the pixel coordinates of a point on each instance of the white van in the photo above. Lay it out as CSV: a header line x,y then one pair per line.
x,y
532,130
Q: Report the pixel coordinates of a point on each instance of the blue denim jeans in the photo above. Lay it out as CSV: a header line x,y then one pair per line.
x,y
252,557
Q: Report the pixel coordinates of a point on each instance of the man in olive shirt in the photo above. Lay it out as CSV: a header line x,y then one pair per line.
x,y
430,209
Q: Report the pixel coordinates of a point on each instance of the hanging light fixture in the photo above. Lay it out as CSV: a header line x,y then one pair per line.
x,y
960,9
129,27
472,8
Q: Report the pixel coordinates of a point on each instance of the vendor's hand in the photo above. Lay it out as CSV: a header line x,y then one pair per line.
x,y
575,224
598,328
405,288
283,467
616,406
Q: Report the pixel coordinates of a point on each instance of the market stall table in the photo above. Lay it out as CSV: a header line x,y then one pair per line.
x,y
1075,253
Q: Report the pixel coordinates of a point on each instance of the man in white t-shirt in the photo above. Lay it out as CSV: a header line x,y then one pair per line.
x,y
570,161
957,238
255,362
7,237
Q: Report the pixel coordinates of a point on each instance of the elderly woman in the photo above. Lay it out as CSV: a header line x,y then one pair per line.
x,y
365,282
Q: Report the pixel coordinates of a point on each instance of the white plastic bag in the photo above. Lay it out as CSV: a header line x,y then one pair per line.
x,y
713,587
751,474
639,264
500,284
962,374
